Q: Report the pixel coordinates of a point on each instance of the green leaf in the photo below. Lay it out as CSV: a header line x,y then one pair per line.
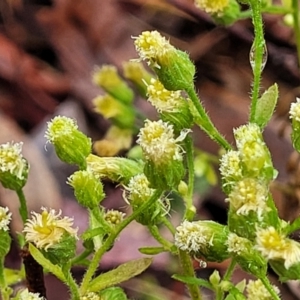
x,y
5,243
152,250
266,105
120,274
193,280
46,264
13,276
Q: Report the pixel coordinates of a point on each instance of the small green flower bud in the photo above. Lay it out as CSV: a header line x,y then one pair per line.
x,y
173,108
113,293
164,156
173,67
14,167
135,72
266,105
255,157
88,189
203,238
71,145
114,217
120,114
229,15
215,279
117,169
137,193
249,259
108,78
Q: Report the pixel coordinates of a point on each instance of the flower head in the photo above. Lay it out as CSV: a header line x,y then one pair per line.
x,y
173,67
212,6
114,217
230,167
204,238
295,110
237,244
5,217
159,144
249,195
26,295
13,166
71,145
47,229
274,245
256,290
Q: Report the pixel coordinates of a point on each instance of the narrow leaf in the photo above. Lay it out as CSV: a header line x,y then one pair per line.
x,y
46,264
152,250
120,274
193,280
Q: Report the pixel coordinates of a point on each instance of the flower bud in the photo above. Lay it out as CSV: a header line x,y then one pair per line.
x,y
88,189
113,293
164,156
135,72
138,191
229,15
120,114
173,67
203,238
114,217
117,169
13,166
71,145
295,117
108,78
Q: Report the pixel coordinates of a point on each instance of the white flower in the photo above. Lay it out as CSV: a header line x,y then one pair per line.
x,y
274,245
46,229
212,6
5,217
90,296
158,143
257,291
295,110
237,244
12,160
26,295
191,236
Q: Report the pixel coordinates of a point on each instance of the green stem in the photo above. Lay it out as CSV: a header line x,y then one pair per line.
x,y
258,48
73,287
204,121
270,288
77,259
190,208
23,205
188,270
110,240
169,225
295,5
226,277
156,234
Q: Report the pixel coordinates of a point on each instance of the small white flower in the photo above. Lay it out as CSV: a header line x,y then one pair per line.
x,y
26,295
274,245
257,291
90,296
46,229
12,160
191,236
58,127
5,218
158,142
212,6
295,110
236,244
230,167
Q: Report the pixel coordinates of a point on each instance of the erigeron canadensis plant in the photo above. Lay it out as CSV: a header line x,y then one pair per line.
x,y
254,236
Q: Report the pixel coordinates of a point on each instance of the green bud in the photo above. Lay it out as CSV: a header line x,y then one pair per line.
x,y
113,293
229,15
14,167
266,106
203,239
88,189
108,78
71,145
215,279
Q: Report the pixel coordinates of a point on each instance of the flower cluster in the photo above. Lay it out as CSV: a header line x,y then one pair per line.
x,y
5,218
256,290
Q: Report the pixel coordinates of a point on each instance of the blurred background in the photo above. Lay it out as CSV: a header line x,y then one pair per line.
x,y
48,51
